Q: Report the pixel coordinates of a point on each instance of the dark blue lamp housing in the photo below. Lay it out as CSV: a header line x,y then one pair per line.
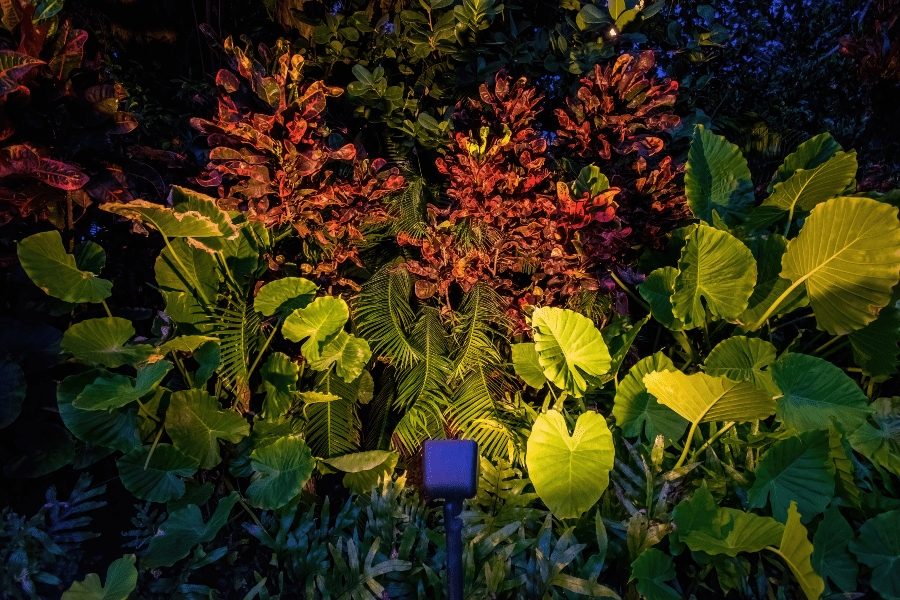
x,y
451,473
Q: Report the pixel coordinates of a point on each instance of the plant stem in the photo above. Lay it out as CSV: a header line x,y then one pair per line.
x,y
184,374
636,298
831,351
144,410
185,270
826,345
775,305
684,342
687,444
714,437
153,447
108,313
263,349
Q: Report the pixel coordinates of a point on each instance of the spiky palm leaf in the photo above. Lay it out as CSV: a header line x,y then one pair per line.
x,y
595,306
428,378
382,315
478,411
238,327
420,422
480,317
333,428
381,422
408,207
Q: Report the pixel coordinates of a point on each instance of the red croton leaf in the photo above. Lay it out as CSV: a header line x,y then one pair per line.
x,y
59,174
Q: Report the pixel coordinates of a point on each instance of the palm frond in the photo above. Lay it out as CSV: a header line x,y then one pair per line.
x,y
238,327
480,316
378,435
596,306
408,207
382,315
422,421
429,377
333,428
478,411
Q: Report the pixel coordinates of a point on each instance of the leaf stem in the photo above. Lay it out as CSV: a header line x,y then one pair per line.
x,y
683,341
826,345
687,444
714,437
144,410
184,374
622,285
775,305
189,275
831,351
153,447
108,313
263,349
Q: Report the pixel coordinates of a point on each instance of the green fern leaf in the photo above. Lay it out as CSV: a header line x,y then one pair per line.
x,y
333,427
239,328
481,313
383,315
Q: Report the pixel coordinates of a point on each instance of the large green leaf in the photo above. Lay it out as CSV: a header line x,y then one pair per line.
x,y
165,220
158,480
741,358
881,444
797,469
717,179
637,410
34,346
570,349
183,530
705,527
279,376
45,447
878,546
811,154
877,345
116,429
848,257
652,569
121,579
528,367
348,353
804,190
186,269
196,423
114,391
770,284
831,550
102,342
796,550
570,472
184,200
657,290
700,398
815,391
324,317
46,262
715,269
284,296
280,470
364,469
12,391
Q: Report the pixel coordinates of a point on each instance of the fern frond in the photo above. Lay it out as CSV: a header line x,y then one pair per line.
x,y
422,421
480,316
596,306
383,315
408,208
429,377
67,517
333,428
479,412
378,435
238,327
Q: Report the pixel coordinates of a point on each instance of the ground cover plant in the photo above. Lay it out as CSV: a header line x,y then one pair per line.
x,y
678,351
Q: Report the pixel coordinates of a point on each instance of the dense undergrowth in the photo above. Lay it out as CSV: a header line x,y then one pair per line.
x,y
677,349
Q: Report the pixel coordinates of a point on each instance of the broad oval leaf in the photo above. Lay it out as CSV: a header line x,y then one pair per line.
x,y
101,342
797,469
46,262
324,317
796,549
116,429
348,353
810,154
878,546
186,269
770,284
165,220
700,398
161,480
637,410
570,472
815,391
652,569
112,390
121,579
848,257
185,201
364,469
741,358
279,376
831,550
715,268
717,178
881,444
284,295
196,423
280,471
570,349
876,346
657,290
528,367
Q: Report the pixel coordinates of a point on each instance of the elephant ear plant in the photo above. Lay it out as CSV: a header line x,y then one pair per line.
x,y
180,401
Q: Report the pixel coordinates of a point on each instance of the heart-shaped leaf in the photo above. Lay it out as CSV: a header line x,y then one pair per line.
x,y
121,579
279,376
528,367
831,550
700,398
165,220
717,178
657,290
637,410
46,262
364,469
285,296
280,471
570,472
878,547
116,429
741,358
348,353
324,317
196,423
102,342
158,480
111,390
570,349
